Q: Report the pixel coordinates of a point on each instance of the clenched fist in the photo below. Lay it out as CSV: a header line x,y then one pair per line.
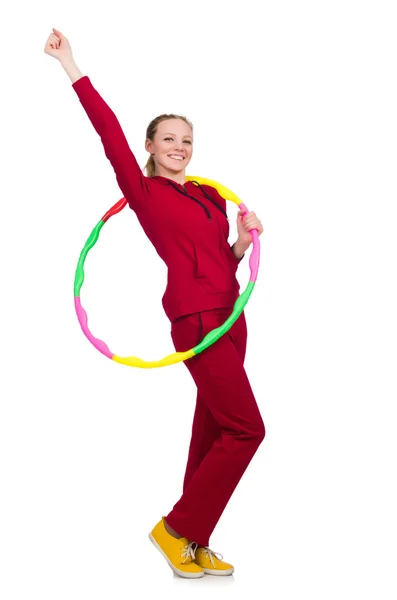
x,y
244,224
58,46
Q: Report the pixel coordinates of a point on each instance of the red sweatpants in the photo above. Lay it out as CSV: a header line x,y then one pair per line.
x,y
227,426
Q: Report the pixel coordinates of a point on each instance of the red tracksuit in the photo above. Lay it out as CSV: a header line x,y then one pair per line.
x,y
188,226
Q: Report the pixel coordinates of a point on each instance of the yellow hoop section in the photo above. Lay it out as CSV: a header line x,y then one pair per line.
x,y
223,190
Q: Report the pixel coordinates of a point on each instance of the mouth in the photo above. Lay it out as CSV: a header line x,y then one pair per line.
x,y
175,157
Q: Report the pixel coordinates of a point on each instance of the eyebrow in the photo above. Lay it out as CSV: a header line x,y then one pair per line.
x,y
169,133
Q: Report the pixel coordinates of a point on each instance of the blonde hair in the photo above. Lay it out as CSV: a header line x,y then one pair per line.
x,y
151,132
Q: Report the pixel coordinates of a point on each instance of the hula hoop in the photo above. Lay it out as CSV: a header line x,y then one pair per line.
x,y
212,336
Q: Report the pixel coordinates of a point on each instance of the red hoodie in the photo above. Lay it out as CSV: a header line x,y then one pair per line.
x,y
187,224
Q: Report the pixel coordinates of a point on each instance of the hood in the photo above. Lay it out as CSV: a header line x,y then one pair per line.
x,y
183,189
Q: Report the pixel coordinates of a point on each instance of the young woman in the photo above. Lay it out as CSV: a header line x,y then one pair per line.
x,y
187,224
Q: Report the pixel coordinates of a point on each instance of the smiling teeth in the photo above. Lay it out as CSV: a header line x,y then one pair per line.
x,y
176,157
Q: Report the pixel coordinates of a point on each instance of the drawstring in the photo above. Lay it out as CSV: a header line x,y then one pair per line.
x,y
198,201
210,199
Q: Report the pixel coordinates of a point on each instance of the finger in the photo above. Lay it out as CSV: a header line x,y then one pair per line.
x,y
256,225
61,36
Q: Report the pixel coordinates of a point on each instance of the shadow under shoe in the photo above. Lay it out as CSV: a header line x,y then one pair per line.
x,y
178,552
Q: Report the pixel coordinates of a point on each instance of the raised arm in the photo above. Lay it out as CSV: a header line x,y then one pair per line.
x,y
129,176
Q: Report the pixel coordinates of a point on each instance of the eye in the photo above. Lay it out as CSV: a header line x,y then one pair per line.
x,y
170,138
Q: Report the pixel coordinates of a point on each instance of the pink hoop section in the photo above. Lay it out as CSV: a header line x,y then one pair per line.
x,y
254,258
83,320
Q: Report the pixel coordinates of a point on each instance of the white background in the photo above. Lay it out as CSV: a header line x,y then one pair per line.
x,y
294,109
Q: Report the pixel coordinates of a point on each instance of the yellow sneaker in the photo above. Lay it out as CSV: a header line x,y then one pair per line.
x,y
178,552
210,563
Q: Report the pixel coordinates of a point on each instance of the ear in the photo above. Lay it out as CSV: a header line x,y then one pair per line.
x,y
148,146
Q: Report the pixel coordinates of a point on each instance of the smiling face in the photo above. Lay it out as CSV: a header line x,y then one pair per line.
x,y
172,147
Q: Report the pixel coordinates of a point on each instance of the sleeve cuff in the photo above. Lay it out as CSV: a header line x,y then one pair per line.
x,y
236,259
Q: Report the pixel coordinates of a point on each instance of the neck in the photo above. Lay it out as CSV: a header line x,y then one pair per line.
x,y
177,177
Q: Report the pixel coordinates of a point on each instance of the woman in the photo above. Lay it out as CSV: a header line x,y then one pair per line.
x,y
187,224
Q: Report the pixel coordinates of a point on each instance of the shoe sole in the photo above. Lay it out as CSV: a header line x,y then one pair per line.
x,y
185,574
218,571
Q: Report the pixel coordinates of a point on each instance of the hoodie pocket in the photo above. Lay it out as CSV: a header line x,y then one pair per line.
x,y
214,273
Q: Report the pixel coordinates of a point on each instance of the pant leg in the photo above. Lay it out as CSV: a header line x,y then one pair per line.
x,y
205,429
226,392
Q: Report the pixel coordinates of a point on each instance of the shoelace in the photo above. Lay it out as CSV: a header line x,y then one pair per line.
x,y
211,553
189,550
